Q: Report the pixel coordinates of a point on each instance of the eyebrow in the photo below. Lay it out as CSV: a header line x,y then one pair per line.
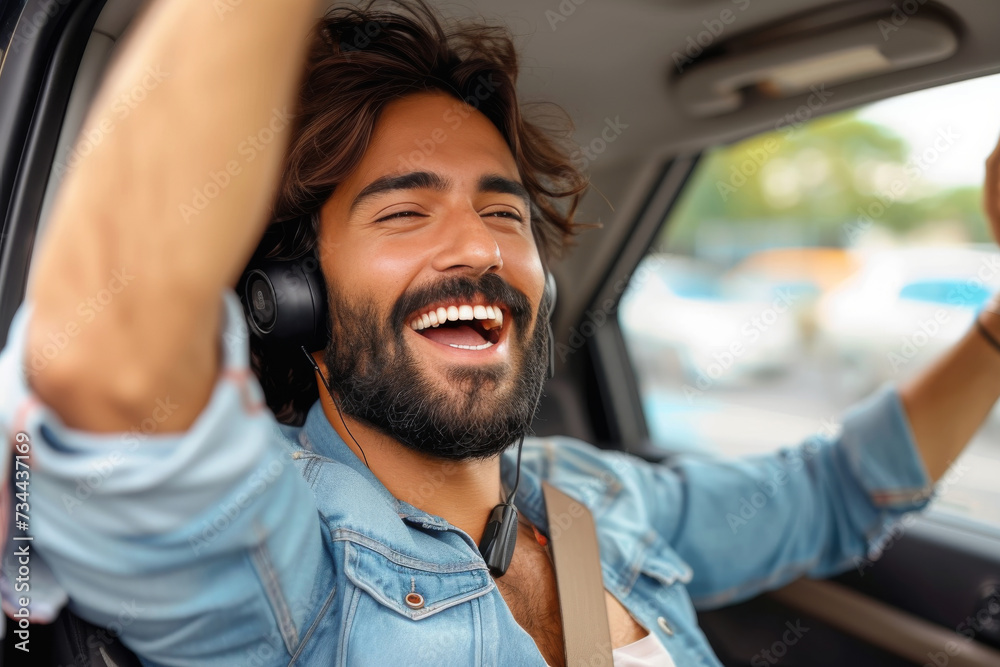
x,y
505,186
426,180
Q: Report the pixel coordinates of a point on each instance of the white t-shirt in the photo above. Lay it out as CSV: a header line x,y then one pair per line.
x,y
646,652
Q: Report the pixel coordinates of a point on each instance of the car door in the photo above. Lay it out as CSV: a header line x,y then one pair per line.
x,y
728,319
42,48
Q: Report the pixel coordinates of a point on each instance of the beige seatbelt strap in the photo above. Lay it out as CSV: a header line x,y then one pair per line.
x,y
577,559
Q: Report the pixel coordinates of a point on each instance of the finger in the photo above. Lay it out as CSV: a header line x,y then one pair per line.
x,y
993,161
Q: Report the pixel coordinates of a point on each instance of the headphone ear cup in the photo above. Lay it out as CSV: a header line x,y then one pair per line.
x,y
285,303
549,298
552,352
549,295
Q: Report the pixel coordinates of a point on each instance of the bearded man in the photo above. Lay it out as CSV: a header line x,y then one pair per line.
x,y
348,520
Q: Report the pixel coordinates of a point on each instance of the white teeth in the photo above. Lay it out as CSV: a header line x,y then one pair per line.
x,y
491,317
472,347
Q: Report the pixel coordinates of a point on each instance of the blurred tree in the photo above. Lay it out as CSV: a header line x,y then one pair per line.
x,y
826,182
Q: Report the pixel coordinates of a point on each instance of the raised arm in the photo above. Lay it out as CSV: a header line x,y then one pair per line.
x,y
166,211
947,403
159,485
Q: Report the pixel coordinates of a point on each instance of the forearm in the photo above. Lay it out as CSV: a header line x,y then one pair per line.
x,y
948,403
218,81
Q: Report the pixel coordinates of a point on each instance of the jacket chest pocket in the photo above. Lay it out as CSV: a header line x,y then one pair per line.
x,y
410,587
405,610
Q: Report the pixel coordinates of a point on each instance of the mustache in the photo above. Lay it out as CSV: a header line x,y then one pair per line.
x,y
494,288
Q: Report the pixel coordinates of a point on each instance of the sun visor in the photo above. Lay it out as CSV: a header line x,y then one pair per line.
x,y
731,79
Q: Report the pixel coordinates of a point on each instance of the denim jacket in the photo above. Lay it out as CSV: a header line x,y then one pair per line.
x,y
246,542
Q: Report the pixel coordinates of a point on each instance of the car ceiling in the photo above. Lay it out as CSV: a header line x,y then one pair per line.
x,y
613,59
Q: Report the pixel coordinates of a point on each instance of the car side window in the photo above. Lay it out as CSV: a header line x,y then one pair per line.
x,y
803,268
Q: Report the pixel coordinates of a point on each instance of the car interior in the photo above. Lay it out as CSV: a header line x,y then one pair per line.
x,y
661,93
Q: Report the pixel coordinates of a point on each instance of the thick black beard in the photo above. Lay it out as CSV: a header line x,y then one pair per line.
x,y
380,383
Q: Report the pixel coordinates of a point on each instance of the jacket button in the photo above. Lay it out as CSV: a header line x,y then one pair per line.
x,y
662,622
414,600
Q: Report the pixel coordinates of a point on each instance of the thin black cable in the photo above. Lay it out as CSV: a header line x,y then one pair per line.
x,y
517,475
337,405
520,445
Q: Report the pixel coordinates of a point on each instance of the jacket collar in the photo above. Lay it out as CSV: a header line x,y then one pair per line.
x,y
322,439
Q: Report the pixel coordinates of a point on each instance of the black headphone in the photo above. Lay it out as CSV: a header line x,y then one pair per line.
x,y
285,304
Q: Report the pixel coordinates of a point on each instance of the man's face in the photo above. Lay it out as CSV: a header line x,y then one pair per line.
x,y
435,283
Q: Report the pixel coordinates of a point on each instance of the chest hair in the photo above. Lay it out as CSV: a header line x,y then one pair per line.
x,y
529,589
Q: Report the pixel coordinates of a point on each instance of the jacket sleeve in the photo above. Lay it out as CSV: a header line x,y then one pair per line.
x,y
742,526
750,525
200,547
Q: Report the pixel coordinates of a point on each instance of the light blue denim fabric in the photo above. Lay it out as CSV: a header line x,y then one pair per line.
x,y
244,542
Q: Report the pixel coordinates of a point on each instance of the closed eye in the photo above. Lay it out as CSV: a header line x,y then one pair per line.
x,y
506,214
401,214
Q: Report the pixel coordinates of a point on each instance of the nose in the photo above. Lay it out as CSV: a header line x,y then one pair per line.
x,y
468,246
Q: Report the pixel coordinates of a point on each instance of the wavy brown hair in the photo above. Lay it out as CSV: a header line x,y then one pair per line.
x,y
361,59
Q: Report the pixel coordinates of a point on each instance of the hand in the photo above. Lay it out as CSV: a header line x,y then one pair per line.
x,y
991,192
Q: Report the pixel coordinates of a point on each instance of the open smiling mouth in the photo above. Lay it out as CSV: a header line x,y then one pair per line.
x,y
465,326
